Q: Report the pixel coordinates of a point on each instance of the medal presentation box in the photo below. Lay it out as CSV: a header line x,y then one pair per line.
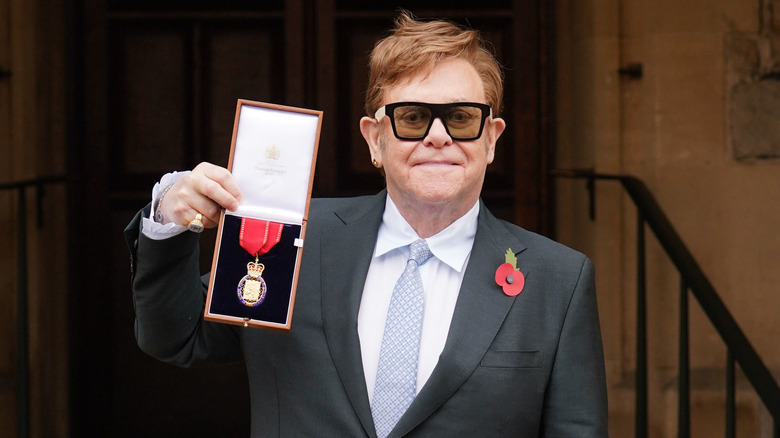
x,y
257,257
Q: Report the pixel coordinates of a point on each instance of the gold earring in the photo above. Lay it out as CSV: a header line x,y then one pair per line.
x,y
375,162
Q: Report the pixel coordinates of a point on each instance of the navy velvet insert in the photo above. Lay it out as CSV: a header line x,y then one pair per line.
x,y
278,275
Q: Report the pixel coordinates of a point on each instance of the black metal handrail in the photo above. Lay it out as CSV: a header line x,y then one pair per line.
x,y
739,348
22,335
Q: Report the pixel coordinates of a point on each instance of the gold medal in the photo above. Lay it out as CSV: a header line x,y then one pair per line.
x,y
257,237
252,288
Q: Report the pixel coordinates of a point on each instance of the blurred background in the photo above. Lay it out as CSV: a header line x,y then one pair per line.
x,y
99,98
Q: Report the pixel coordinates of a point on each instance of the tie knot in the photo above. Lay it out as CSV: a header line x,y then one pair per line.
x,y
419,251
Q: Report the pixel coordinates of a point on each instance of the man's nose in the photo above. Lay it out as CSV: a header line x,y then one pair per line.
x,y
437,135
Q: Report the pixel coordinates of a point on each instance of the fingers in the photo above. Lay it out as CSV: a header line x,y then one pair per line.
x,y
206,190
217,184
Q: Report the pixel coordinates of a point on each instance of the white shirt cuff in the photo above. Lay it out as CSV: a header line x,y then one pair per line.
x,y
155,230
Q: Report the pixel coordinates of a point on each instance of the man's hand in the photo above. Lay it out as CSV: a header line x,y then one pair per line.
x,y
205,190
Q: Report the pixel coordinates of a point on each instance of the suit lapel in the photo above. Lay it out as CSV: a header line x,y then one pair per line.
x,y
346,252
479,313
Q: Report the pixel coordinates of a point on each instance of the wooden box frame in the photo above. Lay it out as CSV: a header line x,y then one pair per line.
x,y
278,139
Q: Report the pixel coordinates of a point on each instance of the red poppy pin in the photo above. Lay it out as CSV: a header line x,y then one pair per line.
x,y
508,277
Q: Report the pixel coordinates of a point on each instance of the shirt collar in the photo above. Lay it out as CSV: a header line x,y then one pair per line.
x,y
451,245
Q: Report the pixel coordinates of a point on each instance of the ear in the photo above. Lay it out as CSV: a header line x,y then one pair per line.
x,y
370,129
494,127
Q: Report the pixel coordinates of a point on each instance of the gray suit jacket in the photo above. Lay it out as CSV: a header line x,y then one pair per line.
x,y
524,366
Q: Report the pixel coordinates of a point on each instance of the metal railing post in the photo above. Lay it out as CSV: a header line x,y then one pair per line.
x,y
683,383
641,332
731,405
22,335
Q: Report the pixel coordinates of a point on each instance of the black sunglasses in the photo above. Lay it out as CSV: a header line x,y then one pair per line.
x,y
463,121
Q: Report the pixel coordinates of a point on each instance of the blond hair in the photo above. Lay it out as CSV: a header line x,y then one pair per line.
x,y
414,47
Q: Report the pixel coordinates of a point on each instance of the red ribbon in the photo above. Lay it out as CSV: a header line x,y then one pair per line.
x,y
257,236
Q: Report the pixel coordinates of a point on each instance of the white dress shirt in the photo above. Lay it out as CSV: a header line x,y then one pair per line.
x,y
441,275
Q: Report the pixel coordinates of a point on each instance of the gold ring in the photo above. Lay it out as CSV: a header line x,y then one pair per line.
x,y
196,225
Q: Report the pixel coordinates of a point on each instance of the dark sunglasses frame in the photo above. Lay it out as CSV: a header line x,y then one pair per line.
x,y
438,111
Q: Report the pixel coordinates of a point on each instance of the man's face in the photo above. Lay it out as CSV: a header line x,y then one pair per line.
x,y
436,171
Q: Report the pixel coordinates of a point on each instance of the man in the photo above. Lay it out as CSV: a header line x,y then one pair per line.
x,y
517,354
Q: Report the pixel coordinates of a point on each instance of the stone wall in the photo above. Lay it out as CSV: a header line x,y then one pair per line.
x,y
701,128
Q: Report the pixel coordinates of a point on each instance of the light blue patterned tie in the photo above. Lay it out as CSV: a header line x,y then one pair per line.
x,y
396,376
